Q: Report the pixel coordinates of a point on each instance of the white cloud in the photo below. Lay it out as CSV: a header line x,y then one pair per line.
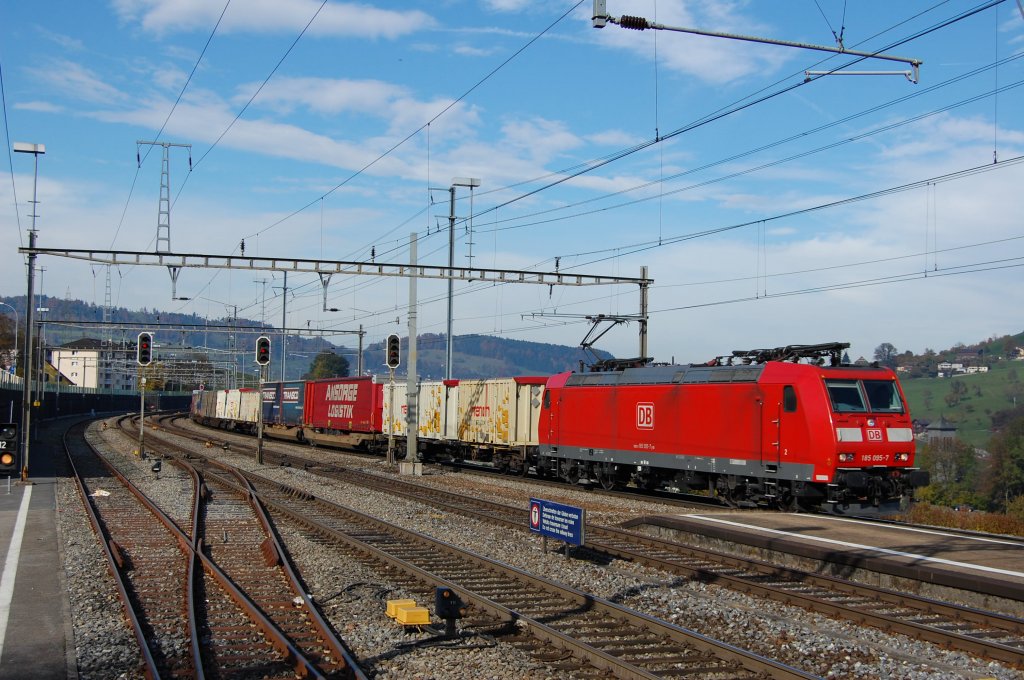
x,y
76,81
710,59
273,16
468,51
41,107
326,96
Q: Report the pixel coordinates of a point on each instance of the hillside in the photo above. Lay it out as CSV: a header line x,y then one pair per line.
x,y
968,400
483,356
473,356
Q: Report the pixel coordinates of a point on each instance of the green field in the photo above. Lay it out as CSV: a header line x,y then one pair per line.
x,y
981,395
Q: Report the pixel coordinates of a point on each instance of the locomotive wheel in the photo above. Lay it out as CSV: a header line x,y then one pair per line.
x,y
606,477
570,472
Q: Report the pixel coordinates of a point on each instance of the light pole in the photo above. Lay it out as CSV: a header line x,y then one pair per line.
x,y
26,394
15,343
472,183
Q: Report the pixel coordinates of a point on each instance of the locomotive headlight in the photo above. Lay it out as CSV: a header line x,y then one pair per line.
x,y
902,457
846,457
871,422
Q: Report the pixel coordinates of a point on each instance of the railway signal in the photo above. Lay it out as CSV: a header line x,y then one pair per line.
x,y
394,351
263,350
145,349
8,448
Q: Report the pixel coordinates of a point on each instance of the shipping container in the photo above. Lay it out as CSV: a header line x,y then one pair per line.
x,y
343,411
502,412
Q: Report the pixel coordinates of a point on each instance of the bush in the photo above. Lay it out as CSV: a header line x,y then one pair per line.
x,y
1015,508
971,520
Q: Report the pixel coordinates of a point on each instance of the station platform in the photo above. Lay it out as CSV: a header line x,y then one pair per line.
x,y
36,640
990,566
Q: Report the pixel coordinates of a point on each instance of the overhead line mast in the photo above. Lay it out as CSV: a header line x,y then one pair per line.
x,y
163,218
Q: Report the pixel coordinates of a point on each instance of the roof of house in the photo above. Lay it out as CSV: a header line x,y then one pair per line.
x,y
83,343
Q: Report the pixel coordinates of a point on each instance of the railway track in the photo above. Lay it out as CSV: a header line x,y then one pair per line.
x,y
198,607
984,634
605,635
608,636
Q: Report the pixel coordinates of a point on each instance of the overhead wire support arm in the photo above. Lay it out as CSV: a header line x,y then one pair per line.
x,y
402,270
602,18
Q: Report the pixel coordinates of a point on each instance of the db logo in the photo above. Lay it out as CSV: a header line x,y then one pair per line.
x,y
534,515
874,435
645,416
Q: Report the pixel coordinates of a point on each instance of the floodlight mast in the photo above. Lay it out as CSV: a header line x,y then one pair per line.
x,y
601,18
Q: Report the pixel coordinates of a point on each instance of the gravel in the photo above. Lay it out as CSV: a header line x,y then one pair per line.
x,y
352,595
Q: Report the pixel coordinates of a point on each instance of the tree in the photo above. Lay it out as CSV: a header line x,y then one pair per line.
x,y
327,364
1005,481
885,355
954,470
8,343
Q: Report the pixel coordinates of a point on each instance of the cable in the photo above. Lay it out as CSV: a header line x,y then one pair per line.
x,y
251,99
974,268
10,159
412,134
764,147
149,149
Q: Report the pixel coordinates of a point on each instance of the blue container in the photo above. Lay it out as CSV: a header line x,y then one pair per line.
x,y
291,398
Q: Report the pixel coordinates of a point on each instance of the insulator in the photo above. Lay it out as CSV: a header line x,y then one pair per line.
x,y
635,23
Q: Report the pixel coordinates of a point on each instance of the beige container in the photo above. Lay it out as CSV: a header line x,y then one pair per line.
x,y
393,419
499,412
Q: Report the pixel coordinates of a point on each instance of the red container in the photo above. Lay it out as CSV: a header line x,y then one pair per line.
x,y
340,405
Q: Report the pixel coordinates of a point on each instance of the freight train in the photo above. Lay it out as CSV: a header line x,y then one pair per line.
x,y
789,427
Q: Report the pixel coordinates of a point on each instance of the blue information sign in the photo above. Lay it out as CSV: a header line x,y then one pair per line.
x,y
562,522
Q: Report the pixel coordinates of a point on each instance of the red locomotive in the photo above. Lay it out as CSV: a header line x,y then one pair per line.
x,y
767,427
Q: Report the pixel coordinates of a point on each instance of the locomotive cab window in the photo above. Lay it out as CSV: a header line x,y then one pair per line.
x,y
845,396
789,399
883,396
857,396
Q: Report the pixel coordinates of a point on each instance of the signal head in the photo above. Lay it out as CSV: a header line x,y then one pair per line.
x,y
145,349
263,350
8,447
393,351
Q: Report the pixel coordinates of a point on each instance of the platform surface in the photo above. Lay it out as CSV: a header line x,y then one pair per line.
x,y
930,554
35,633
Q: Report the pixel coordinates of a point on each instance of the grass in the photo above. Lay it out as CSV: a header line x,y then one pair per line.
x,y
985,395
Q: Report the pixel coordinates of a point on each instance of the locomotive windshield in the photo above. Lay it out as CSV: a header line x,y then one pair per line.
x,y
862,396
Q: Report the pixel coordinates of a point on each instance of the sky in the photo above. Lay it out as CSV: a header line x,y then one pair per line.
x,y
770,206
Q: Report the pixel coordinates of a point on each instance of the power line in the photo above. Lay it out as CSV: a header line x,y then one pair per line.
x,y
412,134
10,160
174,106
764,147
254,95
